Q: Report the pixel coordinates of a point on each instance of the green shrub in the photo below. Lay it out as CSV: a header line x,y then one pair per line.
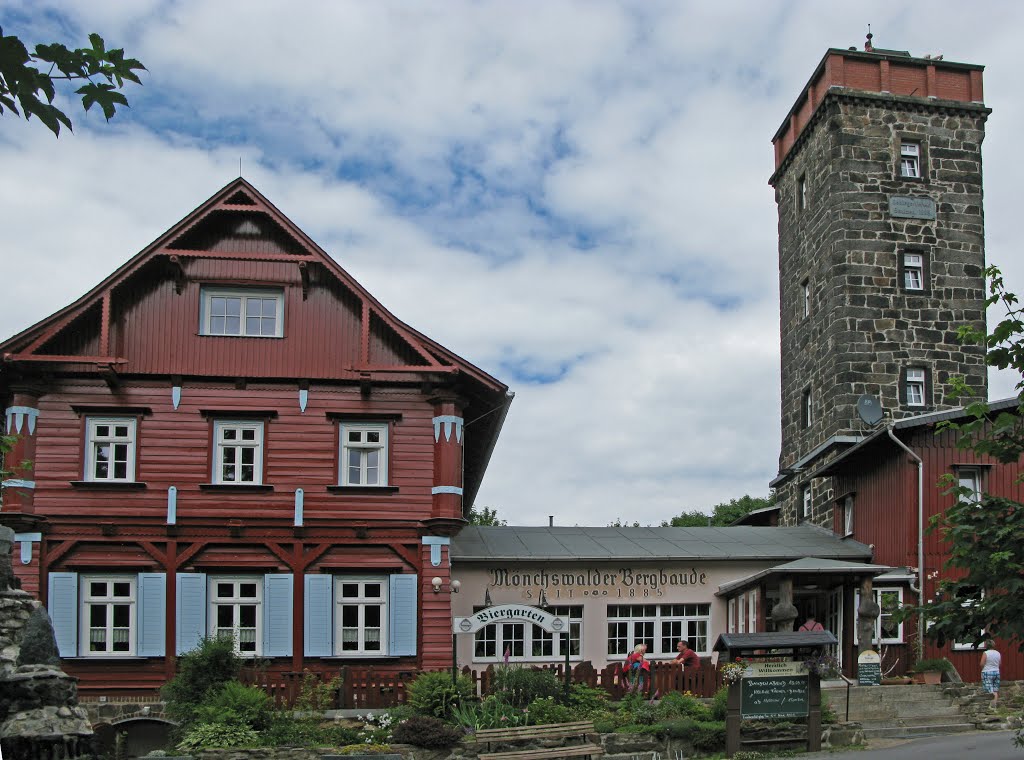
x,y
434,694
519,686
587,701
635,709
720,704
708,736
427,732
637,728
235,702
828,715
679,728
316,695
676,705
206,668
547,710
605,723
210,735
933,665
490,712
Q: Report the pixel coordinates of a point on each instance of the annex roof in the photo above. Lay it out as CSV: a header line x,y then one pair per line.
x,y
483,544
880,437
777,640
814,566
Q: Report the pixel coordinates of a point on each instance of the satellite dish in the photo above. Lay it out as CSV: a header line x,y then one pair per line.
x,y
869,410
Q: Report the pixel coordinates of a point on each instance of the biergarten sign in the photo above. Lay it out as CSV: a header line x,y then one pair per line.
x,y
509,613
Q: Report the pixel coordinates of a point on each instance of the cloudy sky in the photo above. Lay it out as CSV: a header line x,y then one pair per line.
x,y
571,195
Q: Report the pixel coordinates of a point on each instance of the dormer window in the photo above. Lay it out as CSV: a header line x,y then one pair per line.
x,y
242,312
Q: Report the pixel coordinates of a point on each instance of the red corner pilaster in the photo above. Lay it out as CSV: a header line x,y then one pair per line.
x,y
436,611
448,432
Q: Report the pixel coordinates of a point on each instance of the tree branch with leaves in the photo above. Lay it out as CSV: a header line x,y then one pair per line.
x,y
28,81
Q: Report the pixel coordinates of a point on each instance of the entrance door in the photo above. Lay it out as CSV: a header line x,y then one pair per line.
x,y
834,620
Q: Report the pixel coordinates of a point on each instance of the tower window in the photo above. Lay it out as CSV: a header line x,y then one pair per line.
x,y
805,507
913,271
910,159
801,192
915,386
806,409
805,292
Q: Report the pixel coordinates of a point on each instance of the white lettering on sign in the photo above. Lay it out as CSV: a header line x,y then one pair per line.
x,y
512,612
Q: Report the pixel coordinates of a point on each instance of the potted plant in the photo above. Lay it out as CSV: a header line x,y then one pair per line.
x,y
930,670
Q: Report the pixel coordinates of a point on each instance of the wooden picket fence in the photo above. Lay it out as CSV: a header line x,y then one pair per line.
x,y
371,689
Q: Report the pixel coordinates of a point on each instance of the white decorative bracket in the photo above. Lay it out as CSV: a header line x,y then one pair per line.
x,y
299,500
26,540
303,399
435,543
16,417
446,489
172,505
449,422
175,395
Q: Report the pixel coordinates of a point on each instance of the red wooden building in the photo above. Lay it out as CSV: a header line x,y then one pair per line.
x,y
886,490
230,435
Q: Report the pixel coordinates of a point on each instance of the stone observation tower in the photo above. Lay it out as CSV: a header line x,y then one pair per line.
x,y
881,253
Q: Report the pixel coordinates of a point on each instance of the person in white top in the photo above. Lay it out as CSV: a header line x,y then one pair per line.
x,y
990,662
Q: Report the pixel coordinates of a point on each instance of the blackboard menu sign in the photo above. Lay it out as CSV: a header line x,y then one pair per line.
x,y
774,697
869,669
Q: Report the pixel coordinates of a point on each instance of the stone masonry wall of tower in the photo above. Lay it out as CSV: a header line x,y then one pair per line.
x,y
877,270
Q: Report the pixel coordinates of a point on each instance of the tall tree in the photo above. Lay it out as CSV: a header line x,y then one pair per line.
x,y
484,516
986,538
28,81
723,514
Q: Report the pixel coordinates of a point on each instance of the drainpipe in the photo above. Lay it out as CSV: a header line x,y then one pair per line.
x,y
920,533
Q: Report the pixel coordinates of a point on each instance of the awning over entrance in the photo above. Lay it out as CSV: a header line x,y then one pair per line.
x,y
821,569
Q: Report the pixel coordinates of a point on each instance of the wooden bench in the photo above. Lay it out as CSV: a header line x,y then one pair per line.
x,y
579,730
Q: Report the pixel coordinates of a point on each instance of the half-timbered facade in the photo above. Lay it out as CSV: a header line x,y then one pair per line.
x,y
229,435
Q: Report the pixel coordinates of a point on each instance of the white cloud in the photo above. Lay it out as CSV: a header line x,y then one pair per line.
x,y
591,176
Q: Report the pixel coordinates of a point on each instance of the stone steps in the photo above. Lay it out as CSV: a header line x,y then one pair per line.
x,y
902,711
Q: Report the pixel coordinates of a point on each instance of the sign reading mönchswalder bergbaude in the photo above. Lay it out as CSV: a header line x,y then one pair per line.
x,y
508,613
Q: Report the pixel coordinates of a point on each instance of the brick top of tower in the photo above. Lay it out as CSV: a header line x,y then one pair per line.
x,y
889,72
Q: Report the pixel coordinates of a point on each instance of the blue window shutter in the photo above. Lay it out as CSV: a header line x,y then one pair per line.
x,y
319,616
151,617
402,615
63,608
277,615
191,611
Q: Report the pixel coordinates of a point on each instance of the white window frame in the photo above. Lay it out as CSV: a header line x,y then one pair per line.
x,y
806,502
732,615
970,477
752,611
361,602
968,647
910,159
246,298
93,441
236,602
916,386
913,271
848,515
489,641
222,445
741,614
88,600
365,448
660,626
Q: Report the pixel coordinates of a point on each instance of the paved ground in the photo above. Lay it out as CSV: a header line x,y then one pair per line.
x,y
977,745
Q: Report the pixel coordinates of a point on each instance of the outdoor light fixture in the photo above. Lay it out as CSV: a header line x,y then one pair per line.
x,y
436,582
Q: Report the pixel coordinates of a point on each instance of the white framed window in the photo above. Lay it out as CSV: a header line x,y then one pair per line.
x,y
913,271
361,618
110,449
888,630
910,159
525,642
235,611
848,515
238,456
741,614
732,615
806,502
968,598
108,615
915,386
659,626
970,478
364,454
752,611
241,312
